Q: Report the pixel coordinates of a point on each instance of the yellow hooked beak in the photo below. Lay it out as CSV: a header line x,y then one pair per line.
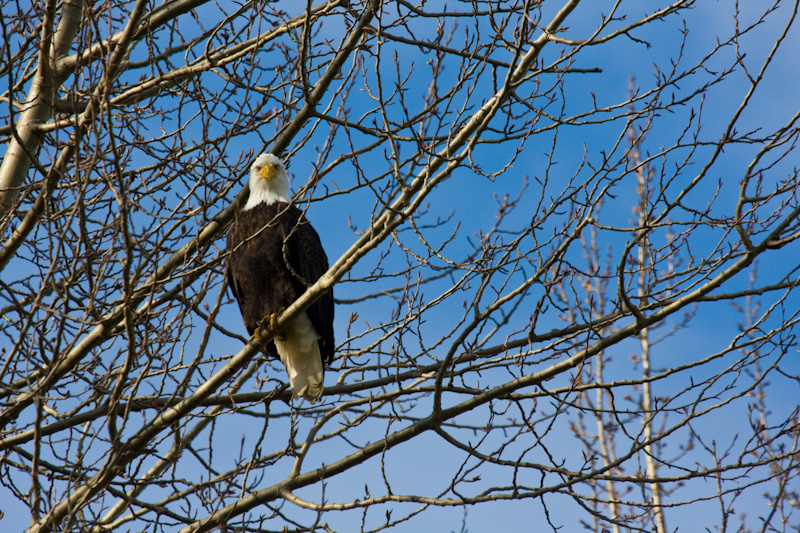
x,y
268,172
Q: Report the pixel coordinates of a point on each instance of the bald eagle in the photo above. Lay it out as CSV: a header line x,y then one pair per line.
x,y
274,256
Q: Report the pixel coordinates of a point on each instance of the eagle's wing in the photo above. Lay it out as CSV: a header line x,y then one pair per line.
x,y
234,238
307,259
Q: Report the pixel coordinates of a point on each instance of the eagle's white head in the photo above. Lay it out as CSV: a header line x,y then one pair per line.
x,y
269,182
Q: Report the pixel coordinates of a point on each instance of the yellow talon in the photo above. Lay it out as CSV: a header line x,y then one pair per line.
x,y
267,326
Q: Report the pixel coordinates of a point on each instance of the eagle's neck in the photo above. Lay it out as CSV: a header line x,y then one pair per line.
x,y
261,193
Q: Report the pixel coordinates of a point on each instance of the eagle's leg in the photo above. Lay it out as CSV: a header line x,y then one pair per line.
x,y
267,326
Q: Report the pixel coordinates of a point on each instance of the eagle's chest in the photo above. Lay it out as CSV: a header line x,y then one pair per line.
x,y
262,250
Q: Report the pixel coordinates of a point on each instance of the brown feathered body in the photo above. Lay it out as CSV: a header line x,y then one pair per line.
x,y
275,254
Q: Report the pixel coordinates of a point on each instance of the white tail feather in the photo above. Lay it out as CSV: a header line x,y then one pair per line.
x,y
299,352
